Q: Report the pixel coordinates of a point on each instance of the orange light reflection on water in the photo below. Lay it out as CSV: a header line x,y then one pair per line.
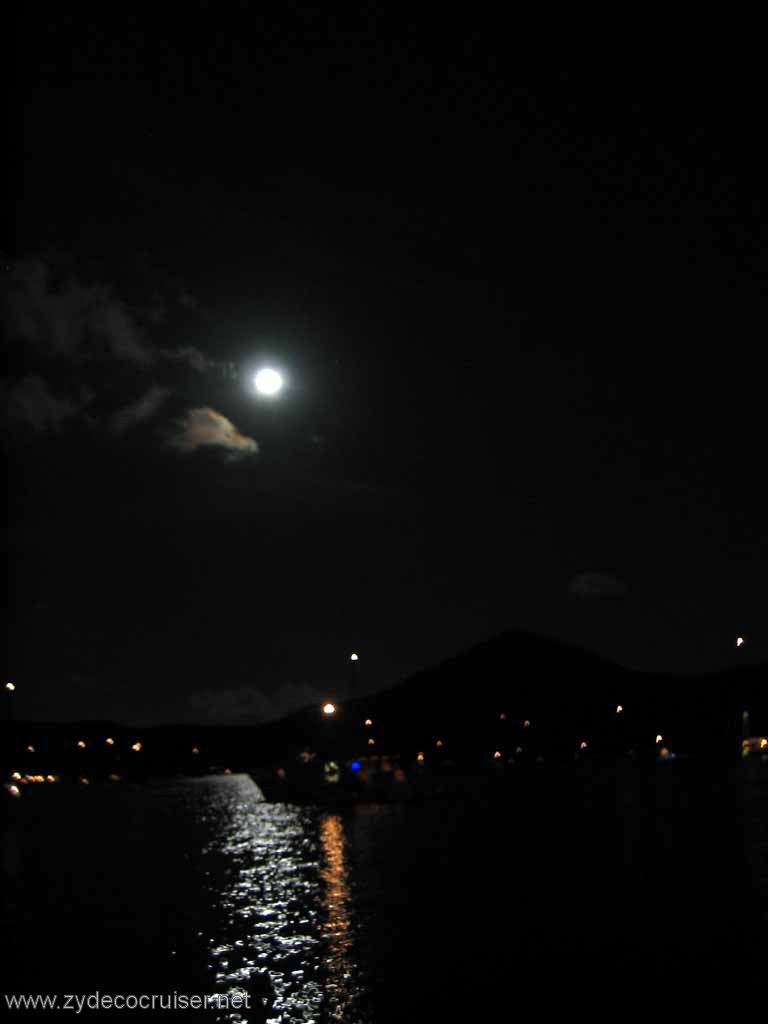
x,y
337,925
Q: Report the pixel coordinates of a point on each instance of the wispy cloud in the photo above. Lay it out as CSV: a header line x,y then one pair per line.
x,y
204,427
596,584
144,408
192,357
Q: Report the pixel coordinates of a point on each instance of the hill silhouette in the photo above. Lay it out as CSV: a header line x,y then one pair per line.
x,y
520,690
520,694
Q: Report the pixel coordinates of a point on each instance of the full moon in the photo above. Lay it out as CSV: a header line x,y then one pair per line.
x,y
268,382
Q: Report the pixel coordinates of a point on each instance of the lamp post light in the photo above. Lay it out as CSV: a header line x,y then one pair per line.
x,y
353,674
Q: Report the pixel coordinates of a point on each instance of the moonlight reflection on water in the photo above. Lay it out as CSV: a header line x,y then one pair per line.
x,y
286,904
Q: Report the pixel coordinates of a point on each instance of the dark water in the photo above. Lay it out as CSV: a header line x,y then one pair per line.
x,y
575,889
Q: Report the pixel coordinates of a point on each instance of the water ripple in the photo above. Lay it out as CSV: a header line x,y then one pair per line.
x,y
278,878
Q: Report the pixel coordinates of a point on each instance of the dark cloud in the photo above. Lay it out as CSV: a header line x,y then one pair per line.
x,y
56,315
65,317
205,427
596,584
30,401
243,705
68,331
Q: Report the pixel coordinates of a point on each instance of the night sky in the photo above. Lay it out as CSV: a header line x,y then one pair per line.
x,y
519,305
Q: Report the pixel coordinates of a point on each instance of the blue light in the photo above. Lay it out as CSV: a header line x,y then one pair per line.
x,y
355,766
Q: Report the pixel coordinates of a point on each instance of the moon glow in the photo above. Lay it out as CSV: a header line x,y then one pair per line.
x,y
268,382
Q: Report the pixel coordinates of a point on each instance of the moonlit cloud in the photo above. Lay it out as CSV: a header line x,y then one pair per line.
x,y
205,427
144,408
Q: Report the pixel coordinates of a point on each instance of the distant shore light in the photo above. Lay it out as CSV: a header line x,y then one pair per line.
x,y
659,737
739,641
354,657
10,687
619,709
329,708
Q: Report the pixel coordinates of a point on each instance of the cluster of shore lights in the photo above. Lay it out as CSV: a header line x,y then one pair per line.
x,y
25,780
109,742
